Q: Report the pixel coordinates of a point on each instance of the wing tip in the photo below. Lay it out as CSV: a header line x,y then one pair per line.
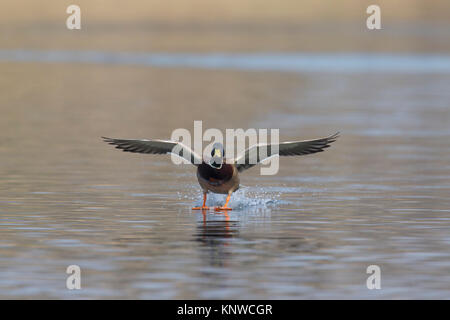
x,y
109,140
333,137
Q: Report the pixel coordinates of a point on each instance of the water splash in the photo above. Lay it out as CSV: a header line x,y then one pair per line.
x,y
244,198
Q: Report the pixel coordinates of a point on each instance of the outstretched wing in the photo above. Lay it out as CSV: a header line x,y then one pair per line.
x,y
257,153
156,147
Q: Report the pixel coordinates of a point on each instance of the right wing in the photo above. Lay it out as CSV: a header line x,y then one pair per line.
x,y
156,147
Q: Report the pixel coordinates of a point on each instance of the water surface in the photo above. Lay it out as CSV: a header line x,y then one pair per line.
x,y
286,62
378,196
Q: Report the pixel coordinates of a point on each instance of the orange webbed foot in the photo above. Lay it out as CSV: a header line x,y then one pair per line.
x,y
222,208
203,207
225,206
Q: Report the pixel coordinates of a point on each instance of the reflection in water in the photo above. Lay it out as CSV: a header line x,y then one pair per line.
x,y
215,236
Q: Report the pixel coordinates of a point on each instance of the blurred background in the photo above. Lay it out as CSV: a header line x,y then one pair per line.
x,y
251,25
140,69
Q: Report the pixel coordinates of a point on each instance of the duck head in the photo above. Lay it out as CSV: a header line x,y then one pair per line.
x,y
217,154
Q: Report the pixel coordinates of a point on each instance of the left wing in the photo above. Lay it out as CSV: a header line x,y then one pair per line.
x,y
257,153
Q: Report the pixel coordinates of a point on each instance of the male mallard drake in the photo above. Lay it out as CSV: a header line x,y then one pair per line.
x,y
216,174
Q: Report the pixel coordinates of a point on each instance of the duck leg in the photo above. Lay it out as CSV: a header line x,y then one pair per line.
x,y
225,206
203,207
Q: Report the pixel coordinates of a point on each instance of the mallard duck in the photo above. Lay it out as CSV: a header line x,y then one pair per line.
x,y
217,174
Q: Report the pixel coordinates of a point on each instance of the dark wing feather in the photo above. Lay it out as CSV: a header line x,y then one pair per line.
x,y
257,153
155,147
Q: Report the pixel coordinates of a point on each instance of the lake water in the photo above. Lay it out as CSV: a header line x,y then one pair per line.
x,y
287,62
378,196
